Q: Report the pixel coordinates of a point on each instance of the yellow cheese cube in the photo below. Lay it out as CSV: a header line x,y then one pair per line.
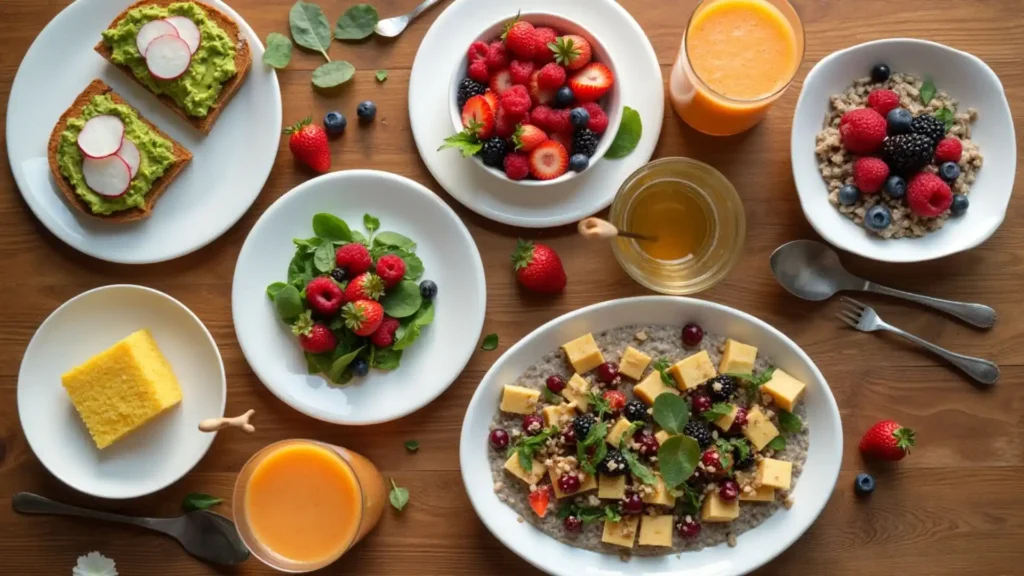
x,y
725,422
717,510
611,487
558,415
616,432
661,436
661,496
759,429
583,353
737,358
651,387
784,389
775,473
656,530
122,388
532,477
620,533
575,391
519,400
693,371
586,485
633,363
762,494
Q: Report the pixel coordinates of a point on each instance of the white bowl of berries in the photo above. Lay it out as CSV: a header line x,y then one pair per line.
x,y
903,150
534,99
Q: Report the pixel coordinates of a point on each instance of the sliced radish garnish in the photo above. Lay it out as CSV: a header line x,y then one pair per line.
x,y
168,57
130,154
188,31
108,176
151,31
101,136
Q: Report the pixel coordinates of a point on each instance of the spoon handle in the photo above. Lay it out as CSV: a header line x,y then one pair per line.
x,y
975,314
28,503
419,9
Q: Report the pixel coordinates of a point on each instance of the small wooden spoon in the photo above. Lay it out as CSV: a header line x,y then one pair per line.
x,y
597,228
241,421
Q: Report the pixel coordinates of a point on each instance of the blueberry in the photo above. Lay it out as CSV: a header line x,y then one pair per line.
x,y
334,123
579,162
898,121
564,97
579,117
849,194
878,218
949,171
338,274
359,367
366,111
879,73
428,290
896,187
864,484
959,205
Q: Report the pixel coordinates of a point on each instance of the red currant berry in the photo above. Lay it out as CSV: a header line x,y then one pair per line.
x,y
648,443
569,483
532,425
556,384
689,529
701,403
569,436
499,438
631,504
572,524
608,372
728,490
692,335
711,459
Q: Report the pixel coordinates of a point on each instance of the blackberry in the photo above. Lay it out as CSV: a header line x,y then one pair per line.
x,y
585,142
581,425
907,153
721,388
338,274
469,88
700,432
494,151
635,411
614,463
930,126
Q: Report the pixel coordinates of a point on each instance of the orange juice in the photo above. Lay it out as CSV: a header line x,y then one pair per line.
x,y
737,57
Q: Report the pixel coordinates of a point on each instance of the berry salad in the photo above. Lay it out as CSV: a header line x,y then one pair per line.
x,y
532,102
897,155
354,300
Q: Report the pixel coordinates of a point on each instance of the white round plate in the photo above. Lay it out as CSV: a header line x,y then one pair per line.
x,y
228,168
966,78
641,88
161,451
754,547
429,365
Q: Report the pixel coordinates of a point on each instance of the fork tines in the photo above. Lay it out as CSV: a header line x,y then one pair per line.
x,y
851,312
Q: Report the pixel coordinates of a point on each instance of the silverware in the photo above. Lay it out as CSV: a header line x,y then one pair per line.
x,y
205,535
865,319
812,271
392,27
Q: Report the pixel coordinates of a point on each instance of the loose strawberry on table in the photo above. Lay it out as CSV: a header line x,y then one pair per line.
x,y
308,143
538,267
887,440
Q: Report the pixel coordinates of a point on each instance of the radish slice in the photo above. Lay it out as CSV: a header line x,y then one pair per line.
x,y
130,154
151,31
168,57
108,176
188,31
101,136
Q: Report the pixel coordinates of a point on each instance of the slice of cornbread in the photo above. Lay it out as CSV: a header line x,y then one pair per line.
x,y
122,388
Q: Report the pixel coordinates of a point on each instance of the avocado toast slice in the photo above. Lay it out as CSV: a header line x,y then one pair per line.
x,y
179,157
242,60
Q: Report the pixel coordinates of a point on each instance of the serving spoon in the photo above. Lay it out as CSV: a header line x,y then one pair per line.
x,y
392,27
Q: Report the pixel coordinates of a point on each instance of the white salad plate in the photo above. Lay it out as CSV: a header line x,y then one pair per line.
x,y
228,168
161,451
967,79
450,259
754,547
445,44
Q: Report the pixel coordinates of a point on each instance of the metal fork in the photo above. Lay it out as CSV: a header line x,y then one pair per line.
x,y
864,318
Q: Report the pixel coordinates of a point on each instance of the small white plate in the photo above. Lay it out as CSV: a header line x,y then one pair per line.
x,y
430,364
228,168
446,43
160,452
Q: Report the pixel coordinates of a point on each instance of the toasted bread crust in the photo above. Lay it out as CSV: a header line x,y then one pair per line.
x,y
243,61
181,158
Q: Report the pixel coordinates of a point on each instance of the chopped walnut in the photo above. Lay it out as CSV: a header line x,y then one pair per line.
x,y
641,336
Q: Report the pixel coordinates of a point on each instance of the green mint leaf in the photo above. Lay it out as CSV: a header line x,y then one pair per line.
x,y
946,116
611,514
333,74
309,27
279,50
385,358
490,342
381,75
778,443
678,458
412,445
466,142
394,240
688,500
399,496
599,404
288,303
403,300
274,288
339,366
671,412
595,439
550,397
323,258
662,365
628,136
525,446
199,501
717,410
742,447
790,422
643,473
330,227
410,330
356,23
928,91
371,223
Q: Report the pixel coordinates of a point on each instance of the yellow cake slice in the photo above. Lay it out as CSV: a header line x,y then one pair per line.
x,y
122,388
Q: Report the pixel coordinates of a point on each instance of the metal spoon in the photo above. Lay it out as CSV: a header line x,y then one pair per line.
x,y
392,27
205,535
812,271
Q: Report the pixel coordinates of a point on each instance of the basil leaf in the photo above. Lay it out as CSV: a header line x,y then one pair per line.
x,y
403,300
386,358
671,412
778,443
411,331
678,458
412,445
279,50
356,23
333,74
490,342
339,366
790,422
274,288
381,75
330,227
371,223
309,27
399,496
628,136
395,240
288,303
323,258
199,501
928,91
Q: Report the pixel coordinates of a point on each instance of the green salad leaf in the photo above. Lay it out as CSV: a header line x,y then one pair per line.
x,y
595,439
409,330
778,444
381,75
403,300
330,227
671,412
717,410
288,303
661,365
526,446
790,422
412,445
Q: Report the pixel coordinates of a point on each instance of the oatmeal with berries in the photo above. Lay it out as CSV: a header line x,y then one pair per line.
x,y
644,441
896,154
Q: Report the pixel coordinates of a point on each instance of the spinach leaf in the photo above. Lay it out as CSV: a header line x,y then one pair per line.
x,y
403,300
408,332
339,366
274,288
490,342
330,227
309,27
288,303
279,50
331,74
394,240
386,358
199,501
323,258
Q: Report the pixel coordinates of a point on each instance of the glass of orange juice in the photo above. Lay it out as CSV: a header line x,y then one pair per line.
x,y
301,504
737,57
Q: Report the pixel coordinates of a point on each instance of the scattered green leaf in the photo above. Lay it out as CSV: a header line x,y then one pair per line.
x,y
927,91
946,116
599,404
717,410
300,269
643,473
412,445
331,74
753,382
778,444
742,447
671,412
688,500
399,496
381,75
356,23
274,288
466,142
628,136
678,457
318,363
587,514
309,27
790,422
490,343
309,244
199,501
330,227
403,300
279,50
288,303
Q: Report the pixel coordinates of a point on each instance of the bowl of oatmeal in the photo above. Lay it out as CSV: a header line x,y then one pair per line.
x,y
951,155
673,433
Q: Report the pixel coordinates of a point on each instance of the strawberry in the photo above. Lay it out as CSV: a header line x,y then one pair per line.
x,y
616,400
478,117
501,81
366,286
591,82
324,296
504,124
314,337
308,143
492,99
538,267
477,51
540,498
539,96
478,71
549,160
520,38
384,335
496,56
363,317
527,137
521,71
888,441
551,77
543,36
353,258
572,51
391,270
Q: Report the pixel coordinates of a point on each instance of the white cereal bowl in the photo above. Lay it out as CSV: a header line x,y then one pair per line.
x,y
611,101
754,547
966,78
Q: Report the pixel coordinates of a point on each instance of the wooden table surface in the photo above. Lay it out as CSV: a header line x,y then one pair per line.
x,y
955,506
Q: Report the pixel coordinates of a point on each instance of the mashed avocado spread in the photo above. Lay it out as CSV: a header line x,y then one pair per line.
x,y
212,65
157,155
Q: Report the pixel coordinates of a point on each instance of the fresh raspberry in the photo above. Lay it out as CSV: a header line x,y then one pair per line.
x,y
949,150
526,118
882,101
478,71
521,71
353,258
497,58
869,174
552,76
521,40
928,195
504,124
324,296
544,36
516,101
477,51
598,119
541,117
391,269
563,138
517,166
560,122
862,130
384,335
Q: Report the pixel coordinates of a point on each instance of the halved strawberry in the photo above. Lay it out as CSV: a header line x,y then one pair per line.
x,y
492,99
478,116
528,137
504,124
501,81
538,95
540,498
591,82
549,160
